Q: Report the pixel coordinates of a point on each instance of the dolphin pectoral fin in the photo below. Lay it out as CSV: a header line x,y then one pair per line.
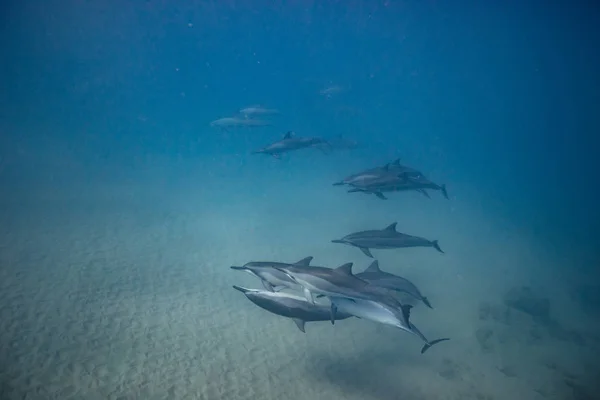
x,y
319,296
424,193
333,313
308,296
436,246
267,286
429,344
444,192
380,195
426,301
300,324
366,251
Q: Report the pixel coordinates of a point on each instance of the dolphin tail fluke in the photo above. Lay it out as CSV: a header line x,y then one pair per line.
x,y
426,302
444,191
241,289
436,246
424,193
429,344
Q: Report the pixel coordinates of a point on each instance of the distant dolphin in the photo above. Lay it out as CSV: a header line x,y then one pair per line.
x,y
384,311
291,306
376,276
234,122
290,142
255,110
394,168
388,238
388,182
269,275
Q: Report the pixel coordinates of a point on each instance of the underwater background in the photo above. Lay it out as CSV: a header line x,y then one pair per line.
x,y
122,207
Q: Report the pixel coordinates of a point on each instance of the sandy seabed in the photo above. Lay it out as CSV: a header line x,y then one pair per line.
x,y
119,291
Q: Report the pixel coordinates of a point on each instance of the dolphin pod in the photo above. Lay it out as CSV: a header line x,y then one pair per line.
x,y
307,293
367,295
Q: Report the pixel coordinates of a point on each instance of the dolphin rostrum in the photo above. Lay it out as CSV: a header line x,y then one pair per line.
x,y
291,306
291,142
269,275
388,238
374,275
382,310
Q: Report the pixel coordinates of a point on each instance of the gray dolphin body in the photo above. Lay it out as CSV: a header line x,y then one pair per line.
x,y
291,306
363,178
290,142
384,311
388,238
375,276
384,183
270,276
329,282
256,110
234,122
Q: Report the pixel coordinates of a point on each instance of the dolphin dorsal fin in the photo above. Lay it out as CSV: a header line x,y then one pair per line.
x,y
397,161
345,269
374,267
305,262
288,135
391,227
386,167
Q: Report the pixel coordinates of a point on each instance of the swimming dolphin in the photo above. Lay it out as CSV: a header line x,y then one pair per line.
x,y
329,281
388,182
234,122
255,110
291,306
374,275
269,275
393,169
382,310
388,238
290,142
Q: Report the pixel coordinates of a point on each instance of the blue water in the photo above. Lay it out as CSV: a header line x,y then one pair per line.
x,y
105,139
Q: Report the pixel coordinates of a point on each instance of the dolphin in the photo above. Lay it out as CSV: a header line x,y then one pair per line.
x,y
395,169
255,110
388,182
382,310
269,275
234,122
290,142
329,281
291,306
375,276
388,238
